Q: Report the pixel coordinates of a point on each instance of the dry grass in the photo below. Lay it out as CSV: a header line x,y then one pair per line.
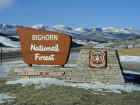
x,y
130,52
60,95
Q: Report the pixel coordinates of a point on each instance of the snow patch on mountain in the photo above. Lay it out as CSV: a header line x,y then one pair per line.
x,y
81,42
116,30
39,26
7,42
8,28
81,30
95,29
62,27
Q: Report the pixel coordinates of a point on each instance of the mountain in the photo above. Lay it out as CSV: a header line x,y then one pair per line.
x,y
8,41
81,30
95,34
62,28
9,29
40,26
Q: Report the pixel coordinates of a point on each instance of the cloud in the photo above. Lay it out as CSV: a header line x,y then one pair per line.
x,y
5,4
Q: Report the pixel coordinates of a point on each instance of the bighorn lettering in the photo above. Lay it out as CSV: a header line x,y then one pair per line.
x,y
44,37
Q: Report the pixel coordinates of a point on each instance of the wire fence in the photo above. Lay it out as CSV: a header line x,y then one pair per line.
x,y
9,53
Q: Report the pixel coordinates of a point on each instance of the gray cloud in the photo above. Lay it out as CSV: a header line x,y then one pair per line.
x,y
5,4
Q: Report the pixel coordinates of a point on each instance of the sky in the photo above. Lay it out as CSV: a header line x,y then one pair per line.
x,y
72,13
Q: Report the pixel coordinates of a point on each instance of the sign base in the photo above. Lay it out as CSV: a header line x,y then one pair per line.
x,y
111,74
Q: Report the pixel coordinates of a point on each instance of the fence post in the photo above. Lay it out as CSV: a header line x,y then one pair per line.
x,y
0,55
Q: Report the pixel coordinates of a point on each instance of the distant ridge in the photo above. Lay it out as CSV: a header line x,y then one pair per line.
x,y
96,34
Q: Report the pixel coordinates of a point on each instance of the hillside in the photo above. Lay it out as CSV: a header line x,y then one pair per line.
x,y
81,36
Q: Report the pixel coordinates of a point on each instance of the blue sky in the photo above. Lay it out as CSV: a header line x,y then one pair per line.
x,y
73,13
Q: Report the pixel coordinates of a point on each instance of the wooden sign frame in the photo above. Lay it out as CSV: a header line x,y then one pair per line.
x,y
44,47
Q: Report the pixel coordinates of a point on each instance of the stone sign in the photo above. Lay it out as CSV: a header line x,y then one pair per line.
x,y
97,59
44,47
82,73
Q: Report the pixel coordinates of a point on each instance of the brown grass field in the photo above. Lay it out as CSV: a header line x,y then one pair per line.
x,y
129,52
61,95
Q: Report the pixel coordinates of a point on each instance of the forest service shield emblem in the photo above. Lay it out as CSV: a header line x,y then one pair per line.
x,y
97,59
